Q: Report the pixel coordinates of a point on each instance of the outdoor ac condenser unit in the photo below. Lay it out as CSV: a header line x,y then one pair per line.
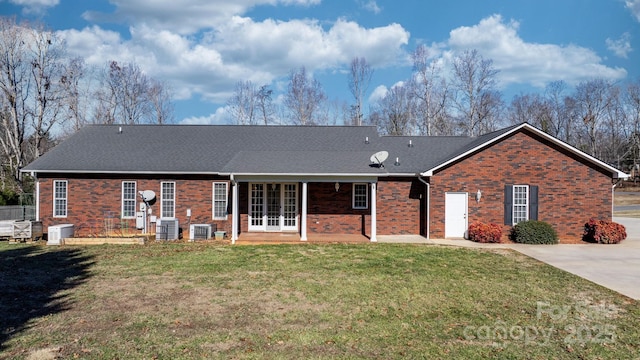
x,y
200,231
167,229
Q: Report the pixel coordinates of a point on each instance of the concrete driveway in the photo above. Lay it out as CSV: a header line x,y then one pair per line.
x,y
616,267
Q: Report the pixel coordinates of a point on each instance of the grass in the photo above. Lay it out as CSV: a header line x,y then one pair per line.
x,y
374,301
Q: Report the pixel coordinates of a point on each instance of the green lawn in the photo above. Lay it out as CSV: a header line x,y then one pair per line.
x,y
372,301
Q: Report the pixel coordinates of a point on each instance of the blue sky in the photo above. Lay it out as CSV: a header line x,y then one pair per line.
x,y
201,48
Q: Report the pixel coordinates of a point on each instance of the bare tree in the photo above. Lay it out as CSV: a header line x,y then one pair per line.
x,y
632,106
304,98
129,96
14,78
359,78
474,80
31,72
242,104
47,71
559,122
250,105
75,104
431,91
161,104
531,108
395,113
265,104
593,98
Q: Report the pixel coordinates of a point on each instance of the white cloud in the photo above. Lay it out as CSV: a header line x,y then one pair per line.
x,y
35,6
184,16
532,63
220,117
371,5
240,49
378,93
620,47
634,7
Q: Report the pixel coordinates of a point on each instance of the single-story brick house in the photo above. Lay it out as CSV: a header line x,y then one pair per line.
x,y
319,179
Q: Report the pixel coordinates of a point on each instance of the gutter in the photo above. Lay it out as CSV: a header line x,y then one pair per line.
x,y
428,207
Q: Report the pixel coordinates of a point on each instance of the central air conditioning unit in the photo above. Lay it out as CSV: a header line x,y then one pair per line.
x,y
167,229
200,231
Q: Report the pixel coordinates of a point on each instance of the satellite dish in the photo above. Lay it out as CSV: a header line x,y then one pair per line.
x,y
378,158
147,195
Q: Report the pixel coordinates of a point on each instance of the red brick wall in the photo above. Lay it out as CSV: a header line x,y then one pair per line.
x,y
330,212
399,206
90,199
570,190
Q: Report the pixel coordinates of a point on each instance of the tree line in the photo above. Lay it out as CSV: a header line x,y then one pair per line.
x,y
45,95
598,116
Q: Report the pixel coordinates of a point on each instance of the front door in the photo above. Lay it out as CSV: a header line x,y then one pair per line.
x,y
455,215
273,207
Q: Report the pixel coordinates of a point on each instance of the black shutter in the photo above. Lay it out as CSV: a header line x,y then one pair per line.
x,y
533,202
508,204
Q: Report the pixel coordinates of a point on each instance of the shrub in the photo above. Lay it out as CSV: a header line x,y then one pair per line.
x,y
485,233
604,232
534,232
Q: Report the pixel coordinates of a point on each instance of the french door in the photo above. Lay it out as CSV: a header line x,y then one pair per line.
x,y
273,207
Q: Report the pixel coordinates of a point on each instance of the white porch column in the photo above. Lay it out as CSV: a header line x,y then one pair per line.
x,y
303,220
373,212
235,216
38,200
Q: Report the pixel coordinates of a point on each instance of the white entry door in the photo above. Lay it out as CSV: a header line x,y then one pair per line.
x,y
273,207
455,215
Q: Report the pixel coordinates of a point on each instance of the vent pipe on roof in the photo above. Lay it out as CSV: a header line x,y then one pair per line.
x,y
119,129
397,161
410,143
366,140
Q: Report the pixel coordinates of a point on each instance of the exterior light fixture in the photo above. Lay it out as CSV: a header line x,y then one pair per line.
x,y
337,186
478,195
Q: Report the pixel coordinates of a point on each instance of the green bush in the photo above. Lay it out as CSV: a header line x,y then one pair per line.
x,y
485,233
604,232
534,232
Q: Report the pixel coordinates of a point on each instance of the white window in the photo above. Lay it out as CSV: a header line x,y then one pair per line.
x,y
520,203
60,198
128,199
360,196
220,195
168,200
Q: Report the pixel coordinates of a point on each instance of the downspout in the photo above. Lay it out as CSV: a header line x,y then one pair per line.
x,y
428,205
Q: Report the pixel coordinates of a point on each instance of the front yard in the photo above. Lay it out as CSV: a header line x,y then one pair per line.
x,y
371,301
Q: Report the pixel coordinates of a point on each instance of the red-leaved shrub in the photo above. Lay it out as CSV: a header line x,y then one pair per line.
x,y
485,233
604,232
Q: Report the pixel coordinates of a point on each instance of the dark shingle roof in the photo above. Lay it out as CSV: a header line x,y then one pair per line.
x,y
212,149
225,149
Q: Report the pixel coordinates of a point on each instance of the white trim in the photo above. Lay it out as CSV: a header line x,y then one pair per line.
x,y
66,198
374,218
265,216
162,198
37,199
213,200
303,218
234,211
617,173
513,203
366,195
122,199
262,178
